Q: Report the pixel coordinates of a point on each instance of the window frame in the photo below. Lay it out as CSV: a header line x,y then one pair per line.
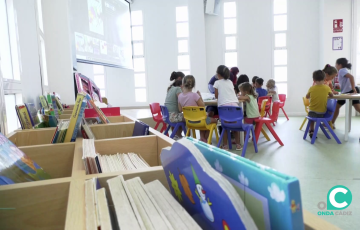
x,y
274,48
183,38
140,56
225,36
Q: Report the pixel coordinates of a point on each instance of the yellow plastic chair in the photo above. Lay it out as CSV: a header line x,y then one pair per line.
x,y
307,104
262,114
195,118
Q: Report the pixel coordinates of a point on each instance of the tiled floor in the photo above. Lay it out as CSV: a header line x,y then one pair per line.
x,y
319,167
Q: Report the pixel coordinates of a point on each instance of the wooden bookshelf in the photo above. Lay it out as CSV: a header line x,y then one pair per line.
x,y
58,203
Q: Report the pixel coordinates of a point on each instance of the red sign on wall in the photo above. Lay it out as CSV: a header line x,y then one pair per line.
x,y
338,25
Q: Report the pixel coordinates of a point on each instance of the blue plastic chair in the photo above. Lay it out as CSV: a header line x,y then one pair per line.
x,y
166,118
331,105
232,119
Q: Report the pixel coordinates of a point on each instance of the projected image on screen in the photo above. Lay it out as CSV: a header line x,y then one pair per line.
x,y
102,32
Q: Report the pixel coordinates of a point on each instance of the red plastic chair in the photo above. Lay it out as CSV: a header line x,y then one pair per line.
x,y
267,121
156,114
282,98
268,104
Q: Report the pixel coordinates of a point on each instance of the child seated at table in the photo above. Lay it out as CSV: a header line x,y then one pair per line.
x,y
224,92
249,95
259,90
272,89
189,98
330,74
318,95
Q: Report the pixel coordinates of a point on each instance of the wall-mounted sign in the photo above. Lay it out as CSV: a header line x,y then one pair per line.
x,y
337,43
338,26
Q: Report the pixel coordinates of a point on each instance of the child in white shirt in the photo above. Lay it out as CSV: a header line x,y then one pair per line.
x,y
226,96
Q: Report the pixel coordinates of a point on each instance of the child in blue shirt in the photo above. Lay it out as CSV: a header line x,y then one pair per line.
x,y
259,90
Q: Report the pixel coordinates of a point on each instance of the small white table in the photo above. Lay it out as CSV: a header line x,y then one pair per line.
x,y
348,110
214,103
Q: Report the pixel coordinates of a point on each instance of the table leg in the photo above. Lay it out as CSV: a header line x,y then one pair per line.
x,y
350,114
347,119
241,133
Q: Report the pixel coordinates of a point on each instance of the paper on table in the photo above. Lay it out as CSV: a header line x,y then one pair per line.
x,y
207,96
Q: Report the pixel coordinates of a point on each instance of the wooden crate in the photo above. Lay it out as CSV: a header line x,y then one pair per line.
x,y
37,205
67,111
29,137
56,160
65,116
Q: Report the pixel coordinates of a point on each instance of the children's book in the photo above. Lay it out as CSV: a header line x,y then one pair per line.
x,y
87,130
272,198
140,129
75,119
101,115
15,166
205,194
24,117
32,111
43,102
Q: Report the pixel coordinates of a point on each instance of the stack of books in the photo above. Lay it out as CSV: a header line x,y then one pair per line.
x,y
95,163
135,206
15,166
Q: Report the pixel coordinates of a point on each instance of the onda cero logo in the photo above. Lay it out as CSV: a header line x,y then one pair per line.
x,y
339,197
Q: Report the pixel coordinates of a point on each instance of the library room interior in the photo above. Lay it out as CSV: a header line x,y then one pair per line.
x,y
180,114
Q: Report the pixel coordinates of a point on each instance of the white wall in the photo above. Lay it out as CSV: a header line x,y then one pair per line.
x,y
303,51
255,37
335,9
58,49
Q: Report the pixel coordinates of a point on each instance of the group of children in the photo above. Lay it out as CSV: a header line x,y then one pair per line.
x,y
323,88
180,94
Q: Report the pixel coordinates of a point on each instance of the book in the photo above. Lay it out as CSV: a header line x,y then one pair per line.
x,y
174,212
43,102
75,118
140,129
87,130
32,111
274,201
127,214
90,205
24,117
104,213
16,166
98,110
51,108
57,111
204,193
58,104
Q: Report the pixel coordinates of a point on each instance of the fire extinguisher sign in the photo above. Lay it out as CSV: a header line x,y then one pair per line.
x,y
338,25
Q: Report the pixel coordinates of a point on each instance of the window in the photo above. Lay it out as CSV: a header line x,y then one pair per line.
x,y
99,78
9,48
12,119
42,50
139,56
280,45
182,33
230,32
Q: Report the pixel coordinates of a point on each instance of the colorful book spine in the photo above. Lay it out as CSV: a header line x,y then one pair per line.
x,y
78,121
32,112
54,105
43,102
24,116
74,116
